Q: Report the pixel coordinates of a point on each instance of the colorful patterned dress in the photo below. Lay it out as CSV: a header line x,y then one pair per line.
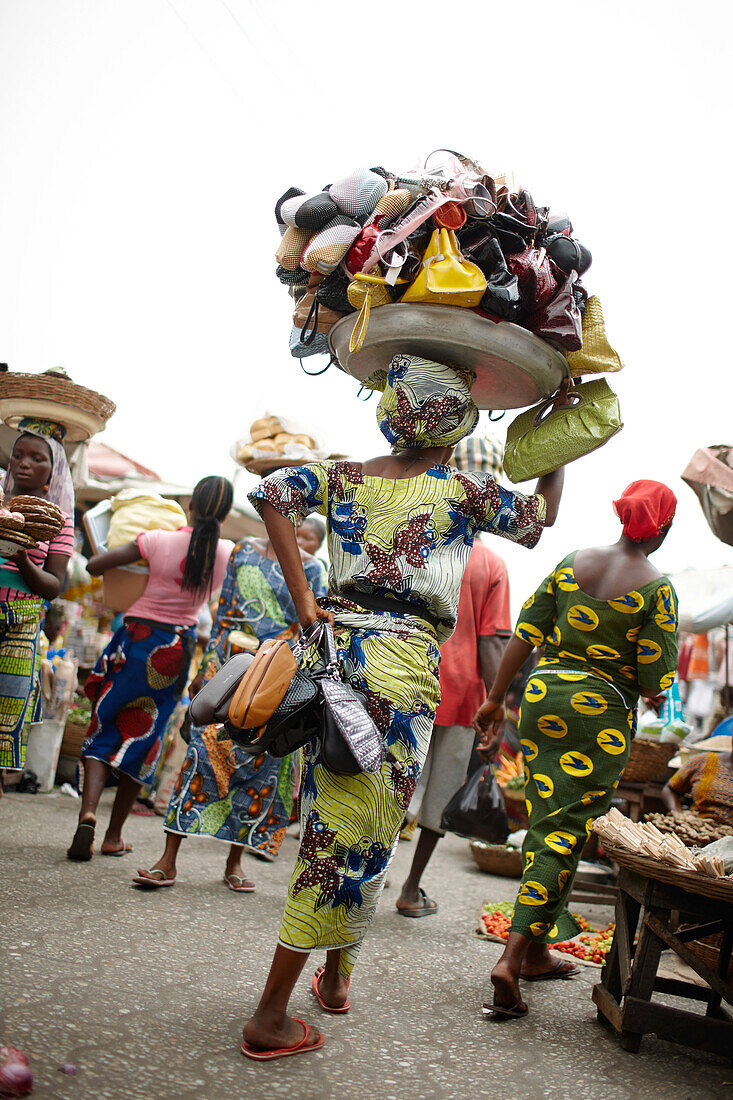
x,y
409,538
707,776
222,791
577,719
134,688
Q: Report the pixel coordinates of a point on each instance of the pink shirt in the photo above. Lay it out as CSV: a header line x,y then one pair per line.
x,y
164,600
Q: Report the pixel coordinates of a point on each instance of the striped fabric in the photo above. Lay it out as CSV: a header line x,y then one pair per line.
x,y
485,455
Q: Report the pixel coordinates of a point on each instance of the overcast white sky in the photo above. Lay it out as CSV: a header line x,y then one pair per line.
x,y
145,143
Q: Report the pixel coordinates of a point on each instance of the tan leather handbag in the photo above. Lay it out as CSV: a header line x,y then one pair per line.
x,y
263,686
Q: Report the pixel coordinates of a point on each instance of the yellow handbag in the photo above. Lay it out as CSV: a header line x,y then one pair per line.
x,y
365,292
447,277
596,356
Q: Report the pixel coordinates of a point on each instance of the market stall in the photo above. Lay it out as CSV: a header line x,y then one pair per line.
x,y
658,879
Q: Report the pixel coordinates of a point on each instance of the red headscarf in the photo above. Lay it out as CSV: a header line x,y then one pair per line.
x,y
645,508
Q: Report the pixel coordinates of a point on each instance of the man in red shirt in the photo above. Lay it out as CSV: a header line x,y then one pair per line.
x,y
469,660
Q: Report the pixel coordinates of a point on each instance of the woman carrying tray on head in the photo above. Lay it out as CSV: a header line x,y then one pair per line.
x,y
400,531
141,675
608,622
222,791
37,468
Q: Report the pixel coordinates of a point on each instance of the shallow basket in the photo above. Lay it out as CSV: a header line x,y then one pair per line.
x,y
514,368
496,859
648,761
82,412
692,881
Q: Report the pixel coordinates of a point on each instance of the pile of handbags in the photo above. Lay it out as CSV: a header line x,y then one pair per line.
x,y
450,234
276,702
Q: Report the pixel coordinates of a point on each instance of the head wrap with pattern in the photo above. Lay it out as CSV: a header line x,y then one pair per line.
x,y
425,404
60,487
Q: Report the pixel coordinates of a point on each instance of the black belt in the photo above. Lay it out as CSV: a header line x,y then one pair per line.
x,y
370,601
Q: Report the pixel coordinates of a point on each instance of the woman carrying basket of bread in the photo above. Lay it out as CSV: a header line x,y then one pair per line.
x,y
608,622
37,484
400,530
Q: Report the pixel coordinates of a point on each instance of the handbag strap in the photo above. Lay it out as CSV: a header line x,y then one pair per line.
x,y
359,331
542,409
305,336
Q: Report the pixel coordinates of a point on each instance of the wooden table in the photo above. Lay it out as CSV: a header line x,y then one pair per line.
x,y
629,979
643,798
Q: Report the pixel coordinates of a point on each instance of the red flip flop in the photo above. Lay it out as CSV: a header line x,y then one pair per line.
x,y
326,1007
300,1048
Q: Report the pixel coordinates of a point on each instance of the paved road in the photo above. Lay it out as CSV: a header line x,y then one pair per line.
x,y
147,992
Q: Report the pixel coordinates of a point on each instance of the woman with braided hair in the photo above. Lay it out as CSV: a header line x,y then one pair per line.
x,y
141,675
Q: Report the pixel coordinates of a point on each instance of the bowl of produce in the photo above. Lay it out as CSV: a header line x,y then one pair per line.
x,y
497,859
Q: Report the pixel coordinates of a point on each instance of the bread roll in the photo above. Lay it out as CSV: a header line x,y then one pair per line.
x,y
268,445
305,441
265,428
282,438
244,454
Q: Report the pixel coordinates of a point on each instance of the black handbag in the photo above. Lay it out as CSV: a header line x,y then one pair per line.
x,y
331,292
295,722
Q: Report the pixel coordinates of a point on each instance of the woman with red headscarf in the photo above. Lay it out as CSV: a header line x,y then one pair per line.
x,y
608,622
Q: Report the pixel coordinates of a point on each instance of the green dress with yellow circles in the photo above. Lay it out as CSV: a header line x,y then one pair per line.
x,y
577,719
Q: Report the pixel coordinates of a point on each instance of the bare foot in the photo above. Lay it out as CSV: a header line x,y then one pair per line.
x,y
267,1034
333,988
540,960
506,987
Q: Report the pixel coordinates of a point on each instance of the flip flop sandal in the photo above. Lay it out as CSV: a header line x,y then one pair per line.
x,y
154,883
426,909
497,1012
245,886
80,849
118,851
556,974
282,1052
327,1007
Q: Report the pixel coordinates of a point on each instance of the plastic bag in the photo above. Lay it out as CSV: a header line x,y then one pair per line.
x,y
477,809
133,512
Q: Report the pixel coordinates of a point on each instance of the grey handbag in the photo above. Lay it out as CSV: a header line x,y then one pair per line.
x,y
350,741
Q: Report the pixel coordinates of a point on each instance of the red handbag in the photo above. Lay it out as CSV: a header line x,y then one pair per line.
x,y
536,282
559,321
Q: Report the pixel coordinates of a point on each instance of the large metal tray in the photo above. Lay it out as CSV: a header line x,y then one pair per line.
x,y
514,368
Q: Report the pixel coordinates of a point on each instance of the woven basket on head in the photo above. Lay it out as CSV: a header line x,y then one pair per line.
x,y
51,396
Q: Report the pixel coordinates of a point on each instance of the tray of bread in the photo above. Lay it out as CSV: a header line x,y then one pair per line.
x,y
25,521
274,441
